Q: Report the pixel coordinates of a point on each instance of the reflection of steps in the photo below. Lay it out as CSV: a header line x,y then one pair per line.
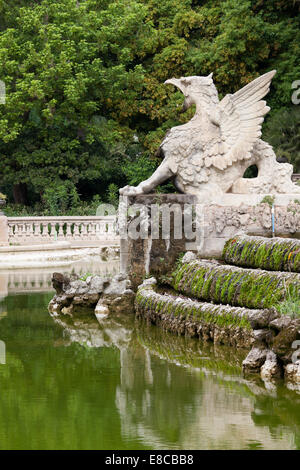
x,y
33,280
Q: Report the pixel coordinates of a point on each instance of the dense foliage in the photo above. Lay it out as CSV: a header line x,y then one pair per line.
x,y
86,107
283,132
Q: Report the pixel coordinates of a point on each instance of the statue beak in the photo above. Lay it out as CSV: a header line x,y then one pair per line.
x,y
179,83
176,82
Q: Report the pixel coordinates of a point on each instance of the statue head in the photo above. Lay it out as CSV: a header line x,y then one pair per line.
x,y
197,90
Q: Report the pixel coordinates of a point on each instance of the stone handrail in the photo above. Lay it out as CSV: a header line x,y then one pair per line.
x,y
26,230
296,177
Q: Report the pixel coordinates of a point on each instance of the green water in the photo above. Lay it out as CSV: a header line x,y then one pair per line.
x,y
125,385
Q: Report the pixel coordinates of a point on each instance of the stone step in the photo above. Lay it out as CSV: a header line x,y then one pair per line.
x,y
222,324
274,254
211,281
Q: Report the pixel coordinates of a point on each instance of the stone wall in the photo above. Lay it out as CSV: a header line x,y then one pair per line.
x,y
215,223
151,251
248,215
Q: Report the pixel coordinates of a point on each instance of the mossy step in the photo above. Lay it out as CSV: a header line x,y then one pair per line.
x,y
193,318
232,285
273,254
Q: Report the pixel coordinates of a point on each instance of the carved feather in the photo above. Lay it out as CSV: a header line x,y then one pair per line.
x,y
242,115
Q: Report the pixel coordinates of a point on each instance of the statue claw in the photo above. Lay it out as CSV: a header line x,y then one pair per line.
x,y
130,191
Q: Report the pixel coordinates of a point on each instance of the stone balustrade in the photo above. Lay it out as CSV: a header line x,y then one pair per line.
x,y
296,177
32,230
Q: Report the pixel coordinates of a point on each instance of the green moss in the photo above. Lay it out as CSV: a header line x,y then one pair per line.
x,y
268,200
200,312
234,286
264,253
291,304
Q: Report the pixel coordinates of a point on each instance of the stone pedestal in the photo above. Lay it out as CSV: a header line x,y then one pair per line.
x,y
154,230
249,214
150,245
3,231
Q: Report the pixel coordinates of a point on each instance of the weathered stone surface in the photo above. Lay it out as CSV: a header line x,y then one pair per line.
x,y
97,284
149,282
222,324
147,251
67,310
60,282
271,368
292,373
262,337
282,343
101,310
254,360
189,256
74,296
77,287
120,303
263,318
281,323
116,287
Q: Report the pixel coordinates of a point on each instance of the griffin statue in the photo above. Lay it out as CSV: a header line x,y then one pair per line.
x,y
209,155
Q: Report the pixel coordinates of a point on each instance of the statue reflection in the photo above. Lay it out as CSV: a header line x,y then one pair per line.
x,y
175,392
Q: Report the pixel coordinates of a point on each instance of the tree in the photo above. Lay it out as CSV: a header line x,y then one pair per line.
x,y
71,86
86,101
283,132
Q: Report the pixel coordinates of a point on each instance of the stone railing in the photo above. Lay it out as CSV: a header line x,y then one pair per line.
x,y
31,230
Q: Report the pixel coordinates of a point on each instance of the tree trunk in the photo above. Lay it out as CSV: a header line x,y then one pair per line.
x,y
20,193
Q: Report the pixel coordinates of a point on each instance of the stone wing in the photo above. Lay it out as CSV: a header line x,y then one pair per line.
x,y
241,117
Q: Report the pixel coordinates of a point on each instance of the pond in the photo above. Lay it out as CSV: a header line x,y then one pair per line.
x,y
127,385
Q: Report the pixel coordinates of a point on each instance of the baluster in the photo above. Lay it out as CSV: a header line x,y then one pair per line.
x,y
69,231
97,231
58,229
10,232
76,234
83,230
103,229
38,231
88,230
22,232
31,232
94,231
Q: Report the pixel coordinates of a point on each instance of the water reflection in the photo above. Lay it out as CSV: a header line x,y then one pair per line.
x,y
122,384
176,393
39,280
